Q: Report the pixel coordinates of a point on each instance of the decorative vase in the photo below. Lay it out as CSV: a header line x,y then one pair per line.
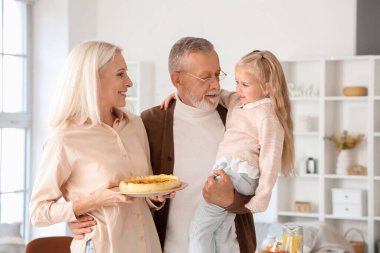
x,y
344,161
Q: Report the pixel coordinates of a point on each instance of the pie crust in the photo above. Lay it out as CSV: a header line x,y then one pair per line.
x,y
149,184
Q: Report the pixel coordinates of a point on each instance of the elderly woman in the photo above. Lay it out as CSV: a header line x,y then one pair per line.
x,y
94,145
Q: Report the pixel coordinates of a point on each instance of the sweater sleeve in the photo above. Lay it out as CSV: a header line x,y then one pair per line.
x,y
271,138
45,209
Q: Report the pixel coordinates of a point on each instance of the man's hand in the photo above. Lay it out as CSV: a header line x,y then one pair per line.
x,y
219,191
82,226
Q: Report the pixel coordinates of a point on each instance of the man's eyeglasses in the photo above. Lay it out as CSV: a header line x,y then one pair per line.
x,y
218,77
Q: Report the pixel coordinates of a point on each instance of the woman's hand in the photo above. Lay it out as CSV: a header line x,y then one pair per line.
x,y
104,196
107,197
162,198
166,102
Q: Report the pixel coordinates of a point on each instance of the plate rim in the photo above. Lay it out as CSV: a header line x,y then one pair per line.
x,y
151,194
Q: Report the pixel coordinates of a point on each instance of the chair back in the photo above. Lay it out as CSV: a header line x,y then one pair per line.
x,y
56,244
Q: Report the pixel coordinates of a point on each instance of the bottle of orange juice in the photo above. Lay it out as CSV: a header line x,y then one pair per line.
x,y
268,242
293,238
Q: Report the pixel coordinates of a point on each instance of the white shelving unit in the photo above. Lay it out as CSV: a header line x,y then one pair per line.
x,y
316,95
140,96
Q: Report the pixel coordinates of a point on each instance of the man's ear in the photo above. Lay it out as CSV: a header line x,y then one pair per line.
x,y
176,78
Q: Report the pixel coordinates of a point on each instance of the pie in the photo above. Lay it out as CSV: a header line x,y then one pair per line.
x,y
149,184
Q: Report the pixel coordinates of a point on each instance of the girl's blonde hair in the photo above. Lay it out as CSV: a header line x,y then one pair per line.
x,y
78,87
268,72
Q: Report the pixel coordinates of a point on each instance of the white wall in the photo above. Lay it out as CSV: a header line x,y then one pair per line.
x,y
146,29
49,50
57,26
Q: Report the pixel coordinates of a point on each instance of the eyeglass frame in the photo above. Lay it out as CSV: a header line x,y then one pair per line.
x,y
208,79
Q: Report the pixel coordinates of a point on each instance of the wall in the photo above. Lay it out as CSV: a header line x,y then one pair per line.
x,y
57,26
49,31
146,29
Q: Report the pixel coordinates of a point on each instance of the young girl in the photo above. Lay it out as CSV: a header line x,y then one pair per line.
x,y
258,143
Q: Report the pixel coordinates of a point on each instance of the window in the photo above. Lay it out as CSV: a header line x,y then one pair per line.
x,y
15,118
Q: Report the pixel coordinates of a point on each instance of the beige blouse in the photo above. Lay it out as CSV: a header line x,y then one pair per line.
x,y
78,160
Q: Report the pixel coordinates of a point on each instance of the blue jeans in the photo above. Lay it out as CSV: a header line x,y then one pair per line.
x,y
211,227
89,246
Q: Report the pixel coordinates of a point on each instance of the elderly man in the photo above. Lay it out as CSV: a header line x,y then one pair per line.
x,y
184,140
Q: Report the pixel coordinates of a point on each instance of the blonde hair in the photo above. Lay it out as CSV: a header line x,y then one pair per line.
x,y
267,70
78,87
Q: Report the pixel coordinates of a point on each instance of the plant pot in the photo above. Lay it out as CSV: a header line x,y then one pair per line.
x,y
344,161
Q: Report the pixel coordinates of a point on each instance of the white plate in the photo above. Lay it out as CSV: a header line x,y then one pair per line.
x,y
151,194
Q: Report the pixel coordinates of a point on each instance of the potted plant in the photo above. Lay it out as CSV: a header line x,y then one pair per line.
x,y
344,144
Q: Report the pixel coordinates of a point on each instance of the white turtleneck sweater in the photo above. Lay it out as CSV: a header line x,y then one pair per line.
x,y
197,135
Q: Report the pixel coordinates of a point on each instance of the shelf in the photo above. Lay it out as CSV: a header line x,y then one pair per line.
x,y
304,99
140,95
308,176
320,109
298,214
299,133
300,176
346,99
334,176
330,216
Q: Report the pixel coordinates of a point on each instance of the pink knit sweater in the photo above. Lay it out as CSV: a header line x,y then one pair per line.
x,y
254,134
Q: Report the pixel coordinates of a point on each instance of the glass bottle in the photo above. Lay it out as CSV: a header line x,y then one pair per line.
x,y
293,238
268,242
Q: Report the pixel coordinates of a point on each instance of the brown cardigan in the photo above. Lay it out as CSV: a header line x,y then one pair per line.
x,y
159,127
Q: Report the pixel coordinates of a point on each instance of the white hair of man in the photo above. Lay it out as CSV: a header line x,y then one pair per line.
x,y
182,48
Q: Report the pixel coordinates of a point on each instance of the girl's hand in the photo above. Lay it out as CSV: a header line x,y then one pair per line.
x,y
166,102
163,197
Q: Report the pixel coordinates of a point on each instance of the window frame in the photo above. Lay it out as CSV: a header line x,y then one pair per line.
x,y
22,120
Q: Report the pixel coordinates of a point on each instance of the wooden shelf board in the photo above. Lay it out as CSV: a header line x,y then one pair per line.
x,y
342,98
334,176
299,133
335,217
298,214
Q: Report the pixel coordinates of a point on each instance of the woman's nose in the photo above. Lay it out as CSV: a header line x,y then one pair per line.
x,y
129,82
